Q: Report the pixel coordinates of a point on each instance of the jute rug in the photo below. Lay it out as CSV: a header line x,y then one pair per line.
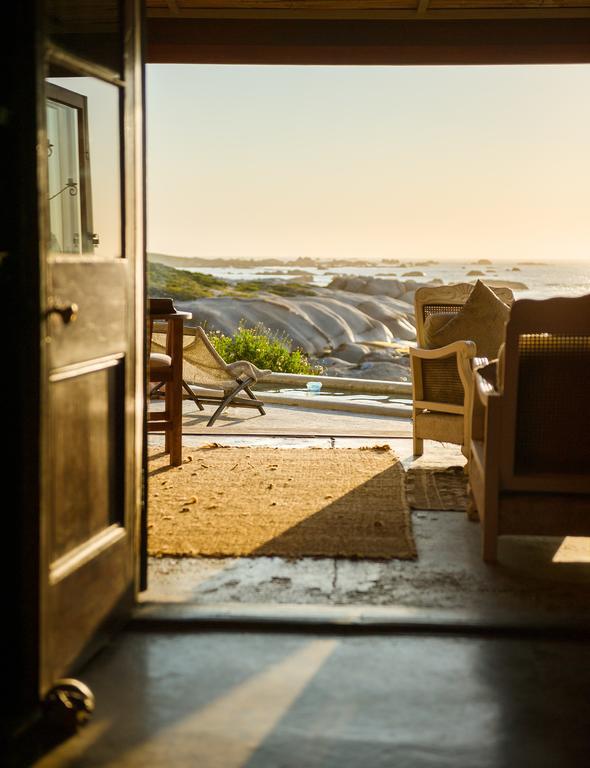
x,y
232,502
437,488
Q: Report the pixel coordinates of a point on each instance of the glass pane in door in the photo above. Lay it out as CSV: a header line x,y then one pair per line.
x,y
63,163
83,167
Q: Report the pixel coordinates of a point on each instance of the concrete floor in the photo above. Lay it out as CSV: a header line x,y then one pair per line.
x,y
339,694
252,700
537,579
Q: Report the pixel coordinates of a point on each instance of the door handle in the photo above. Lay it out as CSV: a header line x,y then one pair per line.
x,y
67,312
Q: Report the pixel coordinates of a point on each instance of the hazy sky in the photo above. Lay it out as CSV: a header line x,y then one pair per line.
x,y
369,162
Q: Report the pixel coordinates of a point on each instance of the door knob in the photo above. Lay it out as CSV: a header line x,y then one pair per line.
x,y
67,312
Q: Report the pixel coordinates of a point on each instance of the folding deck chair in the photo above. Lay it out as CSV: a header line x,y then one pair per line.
x,y
205,368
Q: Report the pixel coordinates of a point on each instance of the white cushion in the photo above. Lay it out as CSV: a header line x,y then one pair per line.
x,y
158,361
482,319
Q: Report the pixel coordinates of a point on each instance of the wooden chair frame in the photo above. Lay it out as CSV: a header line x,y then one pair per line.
x,y
231,398
447,298
503,497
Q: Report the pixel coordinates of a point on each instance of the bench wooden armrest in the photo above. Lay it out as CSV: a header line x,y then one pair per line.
x,y
483,388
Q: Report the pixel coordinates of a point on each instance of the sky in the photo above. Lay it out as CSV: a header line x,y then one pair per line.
x,y
446,163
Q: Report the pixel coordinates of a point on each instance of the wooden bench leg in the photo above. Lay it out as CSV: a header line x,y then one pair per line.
x,y
489,527
472,513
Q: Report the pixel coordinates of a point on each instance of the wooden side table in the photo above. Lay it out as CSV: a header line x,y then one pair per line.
x,y
167,369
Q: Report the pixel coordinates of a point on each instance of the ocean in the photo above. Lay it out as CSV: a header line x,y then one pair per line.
x,y
541,280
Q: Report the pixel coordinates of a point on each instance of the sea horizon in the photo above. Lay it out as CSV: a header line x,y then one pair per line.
x,y
528,278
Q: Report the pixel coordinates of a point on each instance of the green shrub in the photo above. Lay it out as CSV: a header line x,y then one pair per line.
x,y
264,348
180,283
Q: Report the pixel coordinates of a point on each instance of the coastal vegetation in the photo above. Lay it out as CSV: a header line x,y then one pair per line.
x,y
263,348
180,283
291,288
185,285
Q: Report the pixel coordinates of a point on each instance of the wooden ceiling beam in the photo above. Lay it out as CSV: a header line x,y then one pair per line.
x,y
424,11
173,8
255,41
422,7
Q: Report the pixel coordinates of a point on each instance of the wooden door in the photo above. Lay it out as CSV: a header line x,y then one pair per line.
x,y
90,174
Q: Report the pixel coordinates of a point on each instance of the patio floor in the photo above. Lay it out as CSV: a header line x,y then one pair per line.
x,y
541,579
290,420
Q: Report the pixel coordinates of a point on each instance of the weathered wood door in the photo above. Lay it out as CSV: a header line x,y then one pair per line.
x,y
90,174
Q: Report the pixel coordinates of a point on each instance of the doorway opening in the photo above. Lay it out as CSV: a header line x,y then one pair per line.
x,y
315,201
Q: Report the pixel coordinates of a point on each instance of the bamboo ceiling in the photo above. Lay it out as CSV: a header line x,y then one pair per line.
x,y
370,9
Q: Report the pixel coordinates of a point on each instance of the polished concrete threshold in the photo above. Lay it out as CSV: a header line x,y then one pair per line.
x,y
225,699
352,619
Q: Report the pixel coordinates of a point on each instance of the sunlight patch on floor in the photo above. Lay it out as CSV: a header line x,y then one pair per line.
x,y
573,549
230,729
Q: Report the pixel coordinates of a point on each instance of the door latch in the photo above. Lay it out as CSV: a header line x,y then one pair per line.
x,y
67,312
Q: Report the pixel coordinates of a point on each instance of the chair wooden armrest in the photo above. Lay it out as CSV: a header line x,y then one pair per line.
x,y
442,381
464,348
463,351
